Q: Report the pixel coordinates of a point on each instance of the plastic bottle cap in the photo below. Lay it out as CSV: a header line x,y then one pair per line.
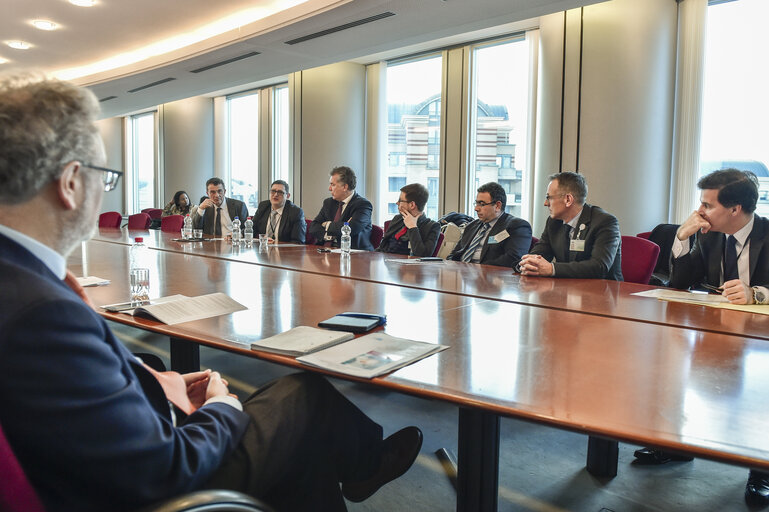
x,y
138,239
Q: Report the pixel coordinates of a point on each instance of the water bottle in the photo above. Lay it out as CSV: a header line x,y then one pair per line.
x,y
236,231
346,240
187,229
248,232
139,272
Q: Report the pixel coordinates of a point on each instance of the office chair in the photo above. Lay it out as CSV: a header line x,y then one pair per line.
x,y
639,257
377,233
110,220
308,238
172,223
438,244
139,221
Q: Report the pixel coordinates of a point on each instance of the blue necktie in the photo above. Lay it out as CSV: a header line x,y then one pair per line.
x,y
477,239
730,260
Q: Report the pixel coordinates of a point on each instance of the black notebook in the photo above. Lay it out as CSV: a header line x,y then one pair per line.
x,y
353,322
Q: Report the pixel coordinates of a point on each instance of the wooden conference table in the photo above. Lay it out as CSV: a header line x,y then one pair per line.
x,y
683,389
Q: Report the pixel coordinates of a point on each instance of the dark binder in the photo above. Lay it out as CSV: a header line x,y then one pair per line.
x,y
353,322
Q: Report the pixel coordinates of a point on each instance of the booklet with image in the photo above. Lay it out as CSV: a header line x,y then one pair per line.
x,y
301,340
371,355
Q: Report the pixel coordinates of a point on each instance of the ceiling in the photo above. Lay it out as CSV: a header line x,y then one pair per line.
x,y
226,45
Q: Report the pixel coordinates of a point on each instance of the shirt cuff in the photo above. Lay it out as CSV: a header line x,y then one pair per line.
x,y
229,400
680,247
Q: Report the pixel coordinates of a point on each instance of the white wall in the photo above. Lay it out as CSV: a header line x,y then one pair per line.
x,y
111,131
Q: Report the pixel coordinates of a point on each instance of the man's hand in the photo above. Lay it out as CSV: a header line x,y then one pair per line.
x,y
737,292
206,204
694,223
535,265
197,383
409,220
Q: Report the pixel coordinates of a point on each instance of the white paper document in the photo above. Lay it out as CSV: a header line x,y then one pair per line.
x,y
176,309
301,340
371,355
92,281
413,261
339,251
683,296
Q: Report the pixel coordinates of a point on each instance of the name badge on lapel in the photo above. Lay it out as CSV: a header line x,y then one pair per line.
x,y
576,244
501,236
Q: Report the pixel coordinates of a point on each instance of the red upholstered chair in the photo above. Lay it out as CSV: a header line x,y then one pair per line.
x,y
438,244
16,493
154,213
645,234
172,223
387,224
110,220
639,256
308,238
534,241
139,221
377,233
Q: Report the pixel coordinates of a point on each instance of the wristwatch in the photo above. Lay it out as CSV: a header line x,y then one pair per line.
x,y
758,296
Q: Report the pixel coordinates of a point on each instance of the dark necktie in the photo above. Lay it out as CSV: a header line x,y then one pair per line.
x,y
273,223
730,259
218,223
338,215
477,239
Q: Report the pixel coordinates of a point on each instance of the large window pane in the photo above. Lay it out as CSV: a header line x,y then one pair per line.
x,y
735,109
143,160
499,121
413,133
243,142
280,135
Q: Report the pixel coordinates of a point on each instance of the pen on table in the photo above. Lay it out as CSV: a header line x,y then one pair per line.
x,y
712,288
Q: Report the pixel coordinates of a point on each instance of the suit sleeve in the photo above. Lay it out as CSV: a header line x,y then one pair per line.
x,y
242,213
87,416
197,218
602,254
543,247
358,215
316,227
299,228
424,247
515,245
689,268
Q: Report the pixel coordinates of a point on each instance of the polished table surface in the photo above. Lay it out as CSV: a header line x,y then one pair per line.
x,y
689,390
591,296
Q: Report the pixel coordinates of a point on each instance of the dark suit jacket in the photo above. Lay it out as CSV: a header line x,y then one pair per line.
x,y
506,253
235,208
422,237
89,424
703,261
602,257
292,224
357,213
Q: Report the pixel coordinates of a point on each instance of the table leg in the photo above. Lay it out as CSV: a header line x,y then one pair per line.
x,y
602,457
478,472
185,356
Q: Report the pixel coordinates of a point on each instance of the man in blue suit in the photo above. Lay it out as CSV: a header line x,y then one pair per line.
x,y
90,424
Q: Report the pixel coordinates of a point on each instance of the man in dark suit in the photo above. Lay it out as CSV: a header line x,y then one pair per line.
x,y
215,214
344,205
730,252
411,232
279,218
89,423
496,237
580,240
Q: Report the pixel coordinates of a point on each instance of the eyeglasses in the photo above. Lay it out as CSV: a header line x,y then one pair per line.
x,y
549,197
277,192
481,204
110,176
402,201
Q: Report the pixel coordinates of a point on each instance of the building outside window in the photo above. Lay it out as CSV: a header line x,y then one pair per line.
x,y
413,131
735,110
142,162
500,106
243,146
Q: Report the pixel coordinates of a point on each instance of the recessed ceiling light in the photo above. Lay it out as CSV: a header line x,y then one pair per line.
x,y
3,61
83,3
19,45
45,24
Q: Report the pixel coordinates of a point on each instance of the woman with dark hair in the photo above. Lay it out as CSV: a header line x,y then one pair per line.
x,y
179,205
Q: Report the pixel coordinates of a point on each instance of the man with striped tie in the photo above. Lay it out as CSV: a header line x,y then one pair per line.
x,y
496,237
280,219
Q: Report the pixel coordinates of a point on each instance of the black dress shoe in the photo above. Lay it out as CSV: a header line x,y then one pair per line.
x,y
652,457
399,451
757,489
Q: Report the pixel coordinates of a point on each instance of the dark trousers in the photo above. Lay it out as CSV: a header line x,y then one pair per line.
x,y
304,438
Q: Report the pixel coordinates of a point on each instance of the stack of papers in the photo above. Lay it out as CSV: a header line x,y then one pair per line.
x,y
301,340
176,309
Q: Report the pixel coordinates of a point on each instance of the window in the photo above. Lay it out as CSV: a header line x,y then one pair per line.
x,y
280,134
243,146
413,129
392,209
734,107
432,202
500,107
141,164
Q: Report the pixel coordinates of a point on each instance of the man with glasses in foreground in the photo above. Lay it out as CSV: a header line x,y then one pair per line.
x,y
280,219
580,240
496,237
90,425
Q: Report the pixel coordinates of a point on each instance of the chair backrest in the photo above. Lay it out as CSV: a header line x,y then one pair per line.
x,y
387,224
377,233
154,213
639,256
663,235
452,234
438,244
139,221
16,493
308,238
534,241
110,220
172,223
645,234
